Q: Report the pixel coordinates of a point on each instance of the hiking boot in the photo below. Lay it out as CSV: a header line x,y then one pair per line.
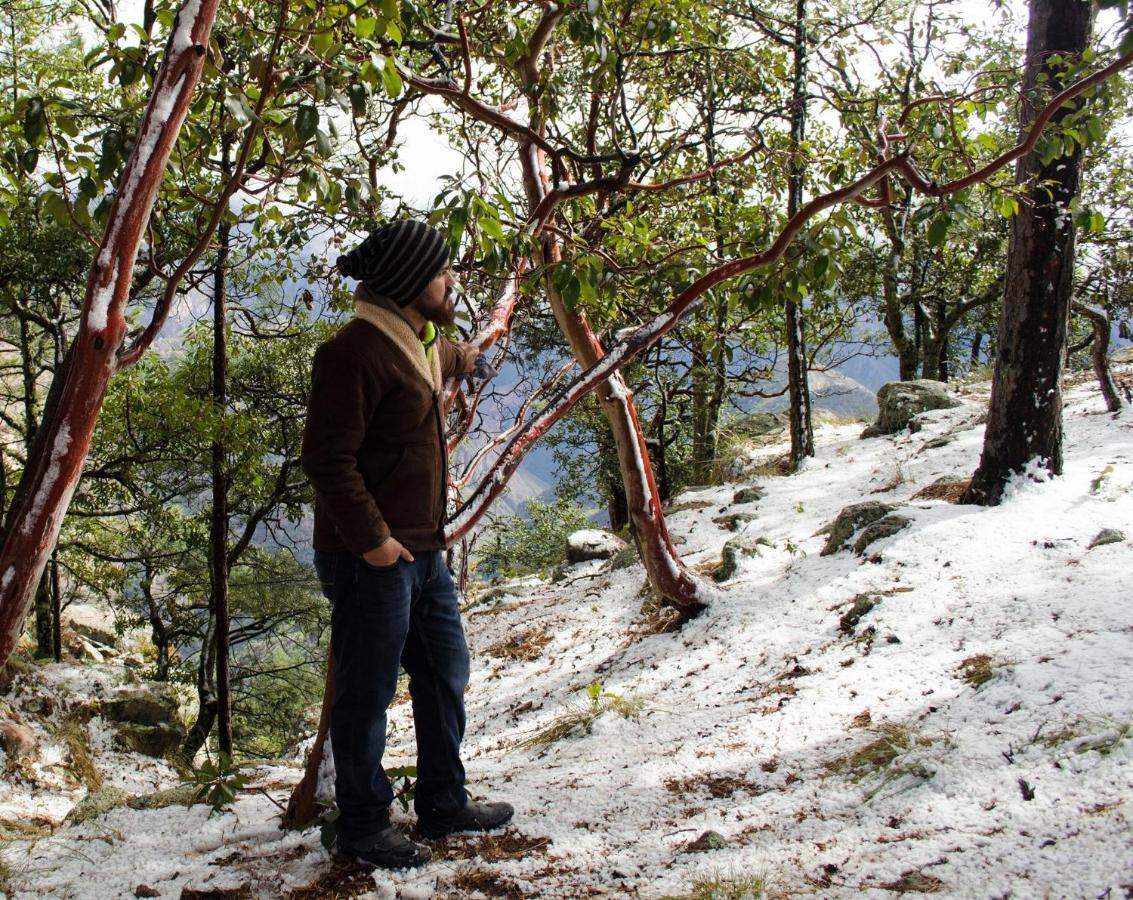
x,y
388,849
472,816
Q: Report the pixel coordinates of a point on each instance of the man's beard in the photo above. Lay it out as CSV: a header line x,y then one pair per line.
x,y
444,311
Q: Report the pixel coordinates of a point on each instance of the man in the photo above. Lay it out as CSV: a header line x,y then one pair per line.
x,y
374,449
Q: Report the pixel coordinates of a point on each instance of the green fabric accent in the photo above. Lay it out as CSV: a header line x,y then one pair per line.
x,y
429,339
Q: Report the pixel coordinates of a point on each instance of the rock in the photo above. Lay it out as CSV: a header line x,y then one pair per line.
x,y
1106,536
16,739
760,424
710,840
882,528
149,704
144,890
899,401
82,649
734,550
592,543
937,442
850,519
733,521
151,740
863,604
624,558
92,623
94,805
750,494
182,795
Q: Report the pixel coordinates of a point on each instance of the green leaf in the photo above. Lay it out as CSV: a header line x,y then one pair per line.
x,y
238,108
34,120
364,28
323,142
322,41
391,81
128,72
306,121
393,32
1008,207
358,96
111,152
938,230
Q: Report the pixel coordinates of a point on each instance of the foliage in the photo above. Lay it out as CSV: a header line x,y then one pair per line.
x,y
217,782
581,717
516,545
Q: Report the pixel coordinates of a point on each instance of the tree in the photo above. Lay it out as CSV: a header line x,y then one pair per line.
x,y
1025,414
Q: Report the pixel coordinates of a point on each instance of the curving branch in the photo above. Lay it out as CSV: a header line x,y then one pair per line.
x,y
641,338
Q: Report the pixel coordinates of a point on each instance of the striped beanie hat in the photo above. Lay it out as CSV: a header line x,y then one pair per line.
x,y
397,260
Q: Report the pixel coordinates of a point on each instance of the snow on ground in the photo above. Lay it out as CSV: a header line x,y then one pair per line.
x,y
970,734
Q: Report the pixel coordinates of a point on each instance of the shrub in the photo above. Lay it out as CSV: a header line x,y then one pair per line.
x,y
514,545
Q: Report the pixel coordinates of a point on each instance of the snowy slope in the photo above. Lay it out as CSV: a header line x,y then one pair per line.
x,y
970,735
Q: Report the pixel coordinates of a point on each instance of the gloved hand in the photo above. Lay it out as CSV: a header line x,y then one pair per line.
x,y
482,372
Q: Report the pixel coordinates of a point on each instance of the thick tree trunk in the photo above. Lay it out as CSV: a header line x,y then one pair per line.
x,y
1025,415
44,618
56,461
667,575
159,634
218,525
906,349
798,385
206,693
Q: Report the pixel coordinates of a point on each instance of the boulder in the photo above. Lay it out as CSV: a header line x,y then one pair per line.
x,y
96,804
759,424
592,543
1106,536
882,528
733,521
16,739
899,401
143,704
710,840
151,740
750,494
624,558
734,550
850,520
92,623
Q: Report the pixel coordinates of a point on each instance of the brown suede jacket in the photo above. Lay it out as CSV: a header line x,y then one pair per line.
x,y
374,443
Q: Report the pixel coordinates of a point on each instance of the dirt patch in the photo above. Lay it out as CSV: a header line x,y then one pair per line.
x,y
717,786
341,881
486,882
526,646
492,847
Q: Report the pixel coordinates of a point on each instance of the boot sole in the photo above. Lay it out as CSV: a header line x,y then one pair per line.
x,y
390,865
433,833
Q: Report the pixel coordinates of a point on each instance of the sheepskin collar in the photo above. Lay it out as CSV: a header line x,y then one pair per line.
x,y
380,312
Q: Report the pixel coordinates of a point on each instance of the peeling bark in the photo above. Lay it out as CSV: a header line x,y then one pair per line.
x,y
53,472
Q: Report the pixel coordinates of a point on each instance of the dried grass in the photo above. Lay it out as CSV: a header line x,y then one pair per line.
x,y
948,489
525,647
475,880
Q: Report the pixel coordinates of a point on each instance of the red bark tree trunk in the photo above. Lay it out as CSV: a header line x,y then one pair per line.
x,y
56,462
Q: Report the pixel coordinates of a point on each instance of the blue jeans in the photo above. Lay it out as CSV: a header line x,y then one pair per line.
x,y
382,618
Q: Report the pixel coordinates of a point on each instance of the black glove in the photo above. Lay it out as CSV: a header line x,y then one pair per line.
x,y
482,373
